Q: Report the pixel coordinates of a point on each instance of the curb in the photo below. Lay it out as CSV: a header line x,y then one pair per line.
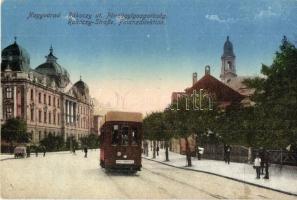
x,y
234,179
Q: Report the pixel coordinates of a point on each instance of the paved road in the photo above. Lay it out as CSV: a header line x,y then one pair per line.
x,y
61,175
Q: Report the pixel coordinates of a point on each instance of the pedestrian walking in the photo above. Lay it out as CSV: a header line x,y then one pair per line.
x,y
225,152
157,150
73,150
86,151
44,151
199,154
257,165
228,152
267,160
28,151
151,146
262,156
36,151
146,148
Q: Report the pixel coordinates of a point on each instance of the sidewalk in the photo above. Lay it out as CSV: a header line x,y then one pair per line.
x,y
7,156
283,179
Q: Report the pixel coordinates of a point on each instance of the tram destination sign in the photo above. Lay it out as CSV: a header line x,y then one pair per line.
x,y
124,161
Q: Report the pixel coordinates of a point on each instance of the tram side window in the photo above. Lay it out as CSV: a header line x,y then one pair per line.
x,y
115,135
134,136
125,137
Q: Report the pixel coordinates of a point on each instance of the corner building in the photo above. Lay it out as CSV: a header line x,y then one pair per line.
x,y
44,97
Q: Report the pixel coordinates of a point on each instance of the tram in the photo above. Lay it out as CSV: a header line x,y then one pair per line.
x,y
120,141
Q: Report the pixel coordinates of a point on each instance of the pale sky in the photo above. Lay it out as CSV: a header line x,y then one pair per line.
x,y
137,67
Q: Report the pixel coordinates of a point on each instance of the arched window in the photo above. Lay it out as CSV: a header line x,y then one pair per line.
x,y
32,114
8,112
9,93
49,100
229,65
49,117
39,116
44,121
32,95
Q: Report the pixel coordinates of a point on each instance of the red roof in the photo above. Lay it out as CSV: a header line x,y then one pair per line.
x,y
222,92
176,95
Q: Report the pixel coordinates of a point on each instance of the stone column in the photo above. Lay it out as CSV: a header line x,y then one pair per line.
x,y
65,111
74,113
14,101
71,111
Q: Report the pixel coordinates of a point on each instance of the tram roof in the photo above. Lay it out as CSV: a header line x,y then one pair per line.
x,y
123,116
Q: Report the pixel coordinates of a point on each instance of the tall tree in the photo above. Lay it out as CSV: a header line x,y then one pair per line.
x,y
154,128
276,99
53,143
15,131
181,114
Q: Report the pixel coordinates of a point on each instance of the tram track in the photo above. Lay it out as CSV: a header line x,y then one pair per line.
x,y
149,181
216,196
117,185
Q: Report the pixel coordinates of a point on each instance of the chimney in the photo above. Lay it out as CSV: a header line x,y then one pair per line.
x,y
207,69
194,77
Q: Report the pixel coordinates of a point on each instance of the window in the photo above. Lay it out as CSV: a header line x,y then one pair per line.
x,y
44,98
39,97
8,112
58,103
125,136
32,114
49,100
54,101
54,118
58,116
39,135
115,135
49,117
39,115
32,95
9,93
134,136
44,121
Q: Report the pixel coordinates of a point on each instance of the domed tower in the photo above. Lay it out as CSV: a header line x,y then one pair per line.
x,y
228,69
82,88
15,58
53,70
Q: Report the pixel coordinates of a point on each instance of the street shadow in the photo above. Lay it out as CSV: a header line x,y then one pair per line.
x,y
4,159
99,171
120,173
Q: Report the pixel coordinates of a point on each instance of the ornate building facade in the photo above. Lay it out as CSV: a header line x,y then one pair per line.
x,y
44,97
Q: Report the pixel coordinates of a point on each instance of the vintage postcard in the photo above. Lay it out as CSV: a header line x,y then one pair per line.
x,y
156,99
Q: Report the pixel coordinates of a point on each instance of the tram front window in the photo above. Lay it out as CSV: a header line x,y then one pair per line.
x,y
125,138
115,135
134,136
